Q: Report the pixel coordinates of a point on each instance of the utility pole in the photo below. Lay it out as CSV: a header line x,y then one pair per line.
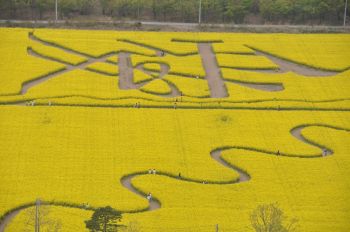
x,y
345,11
56,10
200,12
37,215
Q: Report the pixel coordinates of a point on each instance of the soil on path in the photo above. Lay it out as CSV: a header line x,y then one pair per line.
x,y
8,219
68,67
213,73
288,66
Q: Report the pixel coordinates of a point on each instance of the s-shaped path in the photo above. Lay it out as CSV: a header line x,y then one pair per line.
x,y
155,204
244,176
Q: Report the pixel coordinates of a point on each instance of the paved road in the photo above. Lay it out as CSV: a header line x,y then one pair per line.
x,y
189,25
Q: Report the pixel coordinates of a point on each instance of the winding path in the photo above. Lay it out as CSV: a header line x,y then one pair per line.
x,y
244,176
215,154
7,220
164,70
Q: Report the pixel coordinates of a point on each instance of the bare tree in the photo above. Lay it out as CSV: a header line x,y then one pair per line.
x,y
270,218
47,224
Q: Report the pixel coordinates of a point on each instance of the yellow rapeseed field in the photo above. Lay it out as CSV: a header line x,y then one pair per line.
x,y
183,59
80,110
83,152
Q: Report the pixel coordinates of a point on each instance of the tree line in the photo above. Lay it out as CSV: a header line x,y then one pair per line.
x,y
213,11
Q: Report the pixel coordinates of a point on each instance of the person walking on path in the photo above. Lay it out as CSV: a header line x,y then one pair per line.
x,y
179,175
324,152
149,197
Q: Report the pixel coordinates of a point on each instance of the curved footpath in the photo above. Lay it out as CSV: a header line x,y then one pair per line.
x,y
155,204
296,132
8,219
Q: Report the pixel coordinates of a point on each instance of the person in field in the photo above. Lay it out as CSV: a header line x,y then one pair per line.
x,y
149,197
324,152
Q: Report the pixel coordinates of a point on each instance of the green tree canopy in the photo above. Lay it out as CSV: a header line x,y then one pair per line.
x,y
104,219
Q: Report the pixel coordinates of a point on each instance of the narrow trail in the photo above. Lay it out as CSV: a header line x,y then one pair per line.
x,y
244,176
7,220
215,154
218,106
126,181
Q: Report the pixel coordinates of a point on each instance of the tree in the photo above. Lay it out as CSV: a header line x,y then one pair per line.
x,y
44,5
104,219
236,10
46,221
270,218
275,10
68,6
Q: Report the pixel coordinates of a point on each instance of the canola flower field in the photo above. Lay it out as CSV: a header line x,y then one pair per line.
x,y
246,119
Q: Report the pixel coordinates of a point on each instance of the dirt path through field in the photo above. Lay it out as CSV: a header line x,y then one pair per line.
x,y
297,133
68,68
126,72
8,219
243,175
288,66
126,182
155,204
213,73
